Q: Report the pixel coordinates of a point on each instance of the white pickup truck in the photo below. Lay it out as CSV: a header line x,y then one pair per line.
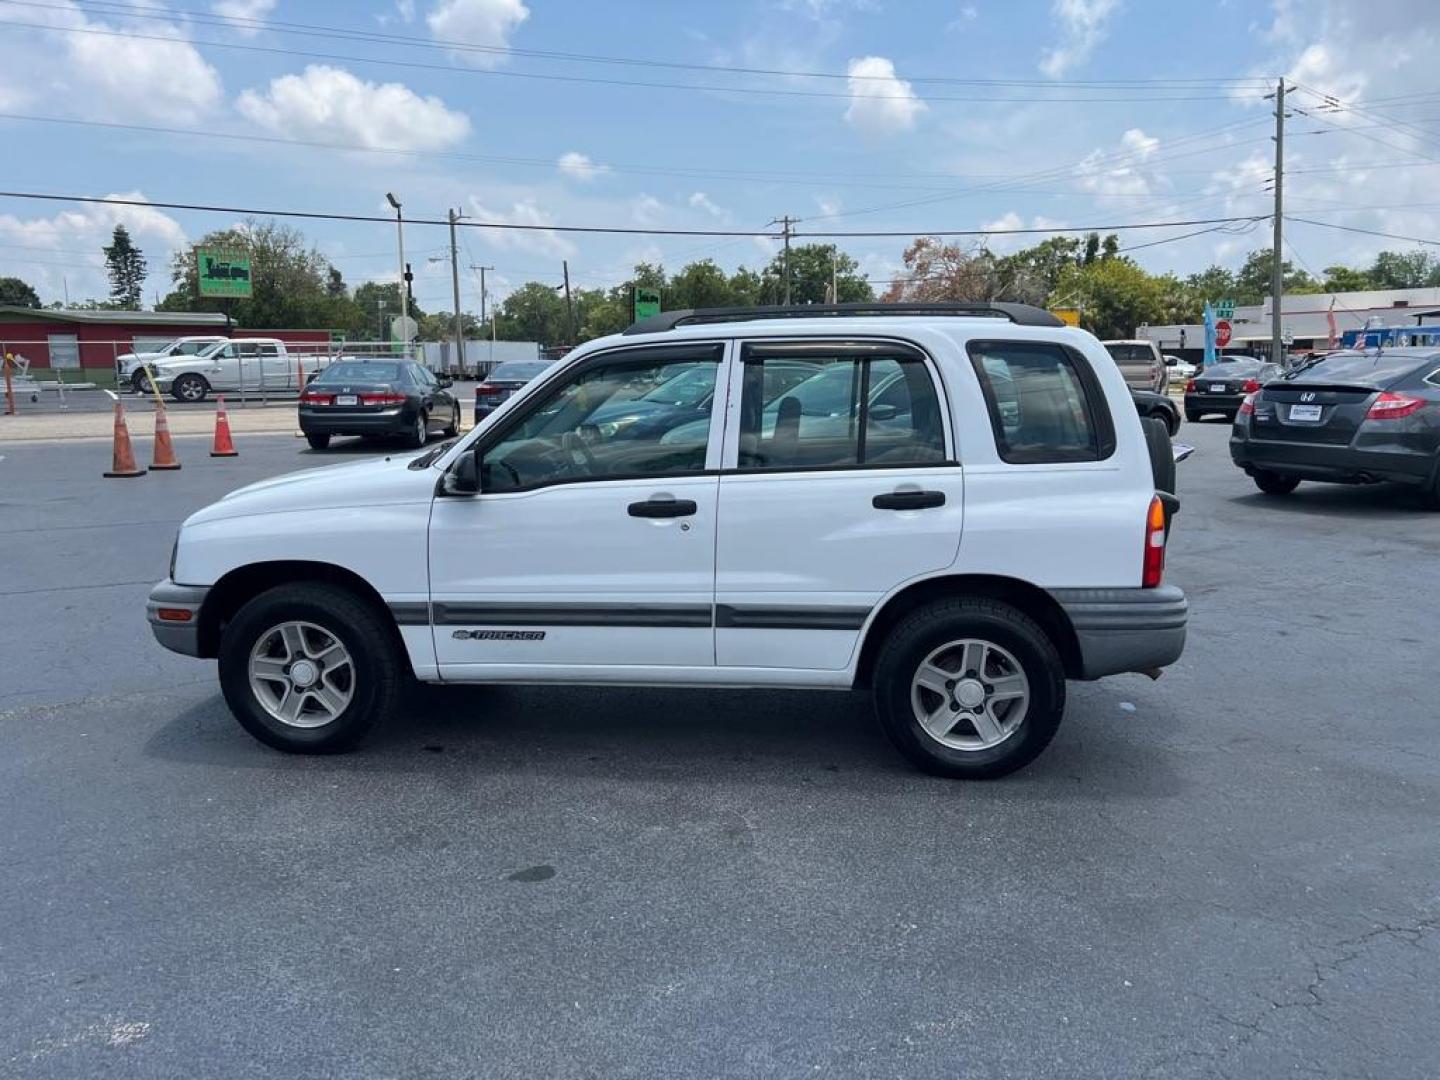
x,y
254,364
130,367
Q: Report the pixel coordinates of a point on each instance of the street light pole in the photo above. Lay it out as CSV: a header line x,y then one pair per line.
x,y
404,300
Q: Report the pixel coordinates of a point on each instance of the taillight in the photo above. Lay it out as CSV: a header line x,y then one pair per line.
x,y
1392,406
1154,565
1250,387
486,388
1189,386
1247,407
313,397
388,397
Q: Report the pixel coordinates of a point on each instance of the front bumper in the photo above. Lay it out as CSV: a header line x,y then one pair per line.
x,y
163,610
326,420
1122,630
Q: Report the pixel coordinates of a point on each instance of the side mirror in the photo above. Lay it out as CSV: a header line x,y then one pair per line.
x,y
444,380
884,412
463,476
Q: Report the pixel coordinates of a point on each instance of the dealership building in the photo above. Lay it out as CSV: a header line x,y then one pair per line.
x,y
61,339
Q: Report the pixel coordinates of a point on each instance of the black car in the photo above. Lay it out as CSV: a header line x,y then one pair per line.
x,y
1220,388
503,381
378,397
1349,418
1158,406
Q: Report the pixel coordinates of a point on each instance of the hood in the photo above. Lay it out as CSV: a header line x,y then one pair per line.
x,y
386,481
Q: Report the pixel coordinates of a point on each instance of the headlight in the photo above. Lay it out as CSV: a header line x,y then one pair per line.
x,y
611,427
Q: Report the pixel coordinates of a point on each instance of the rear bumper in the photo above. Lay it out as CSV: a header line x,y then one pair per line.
x,y
1336,464
1199,404
181,636
1123,630
324,421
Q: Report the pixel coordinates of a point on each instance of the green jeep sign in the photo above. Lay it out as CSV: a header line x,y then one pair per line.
x,y
223,271
647,303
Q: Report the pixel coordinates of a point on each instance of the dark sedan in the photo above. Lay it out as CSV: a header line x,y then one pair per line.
x,y
1349,418
502,382
1220,388
378,397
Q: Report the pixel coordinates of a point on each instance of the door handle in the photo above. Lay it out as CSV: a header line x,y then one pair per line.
x,y
908,500
663,508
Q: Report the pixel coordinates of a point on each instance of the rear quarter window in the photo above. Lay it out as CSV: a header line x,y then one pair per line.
x,y
1044,403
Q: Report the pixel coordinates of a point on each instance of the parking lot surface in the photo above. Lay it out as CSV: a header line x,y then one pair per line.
x,y
1229,872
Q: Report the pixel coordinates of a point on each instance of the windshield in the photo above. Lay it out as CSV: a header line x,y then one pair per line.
x,y
1131,354
358,372
1366,368
517,370
1240,369
688,388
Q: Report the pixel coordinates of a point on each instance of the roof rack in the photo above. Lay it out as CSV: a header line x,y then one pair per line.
x,y
1020,314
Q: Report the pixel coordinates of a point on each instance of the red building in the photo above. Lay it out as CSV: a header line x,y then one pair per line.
x,y
93,339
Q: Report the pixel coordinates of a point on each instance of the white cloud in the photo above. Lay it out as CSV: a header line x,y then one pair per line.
x,y
579,167
1142,145
647,211
332,104
98,71
485,23
700,201
1007,223
538,239
1122,172
880,102
57,239
406,10
1082,27
240,13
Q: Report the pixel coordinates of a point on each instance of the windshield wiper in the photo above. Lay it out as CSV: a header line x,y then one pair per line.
x,y
425,460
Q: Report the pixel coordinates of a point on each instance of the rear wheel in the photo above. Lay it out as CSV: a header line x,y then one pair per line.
x,y
419,433
1192,416
190,387
318,441
1273,483
970,689
453,428
309,668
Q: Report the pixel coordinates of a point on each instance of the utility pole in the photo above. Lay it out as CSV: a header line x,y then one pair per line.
x,y
454,216
484,299
404,281
569,306
787,225
1277,266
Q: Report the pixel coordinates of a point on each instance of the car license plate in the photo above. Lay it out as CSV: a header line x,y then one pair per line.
x,y
1305,412
346,399
1217,388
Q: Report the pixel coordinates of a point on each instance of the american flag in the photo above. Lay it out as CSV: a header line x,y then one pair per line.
x,y
1330,319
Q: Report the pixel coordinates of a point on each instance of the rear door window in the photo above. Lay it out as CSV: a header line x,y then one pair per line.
x,y
1044,403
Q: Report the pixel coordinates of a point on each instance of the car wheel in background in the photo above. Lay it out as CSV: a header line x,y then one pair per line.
x,y
1162,454
309,668
139,382
318,442
969,688
1192,416
1273,483
189,388
1170,420
419,434
453,428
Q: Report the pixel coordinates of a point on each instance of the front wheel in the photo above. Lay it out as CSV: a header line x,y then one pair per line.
x,y
189,388
969,688
308,668
1274,484
140,382
1170,420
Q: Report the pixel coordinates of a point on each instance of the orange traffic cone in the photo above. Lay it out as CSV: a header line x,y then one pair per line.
x,y
224,445
164,456
123,462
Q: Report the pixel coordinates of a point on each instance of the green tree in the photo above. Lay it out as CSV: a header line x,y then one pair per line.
x,y
1214,283
935,270
811,268
440,326
1404,269
1252,280
1031,274
533,312
701,284
746,287
1346,279
125,266
1114,296
379,301
17,293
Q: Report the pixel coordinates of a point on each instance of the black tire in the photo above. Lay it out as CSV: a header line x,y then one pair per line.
x,y
1162,456
1169,419
419,433
1192,416
1272,483
378,668
189,388
318,441
453,428
930,628
140,382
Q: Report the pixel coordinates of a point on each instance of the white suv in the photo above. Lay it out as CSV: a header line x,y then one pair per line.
x,y
966,517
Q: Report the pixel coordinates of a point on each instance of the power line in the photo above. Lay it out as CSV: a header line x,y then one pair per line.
x,y
1365,232
585,80
117,7
619,230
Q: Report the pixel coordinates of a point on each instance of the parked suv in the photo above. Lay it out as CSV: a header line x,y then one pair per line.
x,y
1141,364
993,531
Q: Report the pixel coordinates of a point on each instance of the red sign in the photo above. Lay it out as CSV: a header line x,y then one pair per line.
x,y
1222,333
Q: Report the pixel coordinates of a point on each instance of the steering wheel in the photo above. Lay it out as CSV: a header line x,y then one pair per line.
x,y
577,444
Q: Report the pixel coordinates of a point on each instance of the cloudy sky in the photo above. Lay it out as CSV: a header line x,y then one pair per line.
x,y
863,115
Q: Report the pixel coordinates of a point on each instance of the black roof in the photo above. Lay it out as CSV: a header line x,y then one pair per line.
x,y
1020,314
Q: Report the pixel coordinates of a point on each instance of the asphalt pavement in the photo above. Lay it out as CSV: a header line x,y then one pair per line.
x,y
1229,872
